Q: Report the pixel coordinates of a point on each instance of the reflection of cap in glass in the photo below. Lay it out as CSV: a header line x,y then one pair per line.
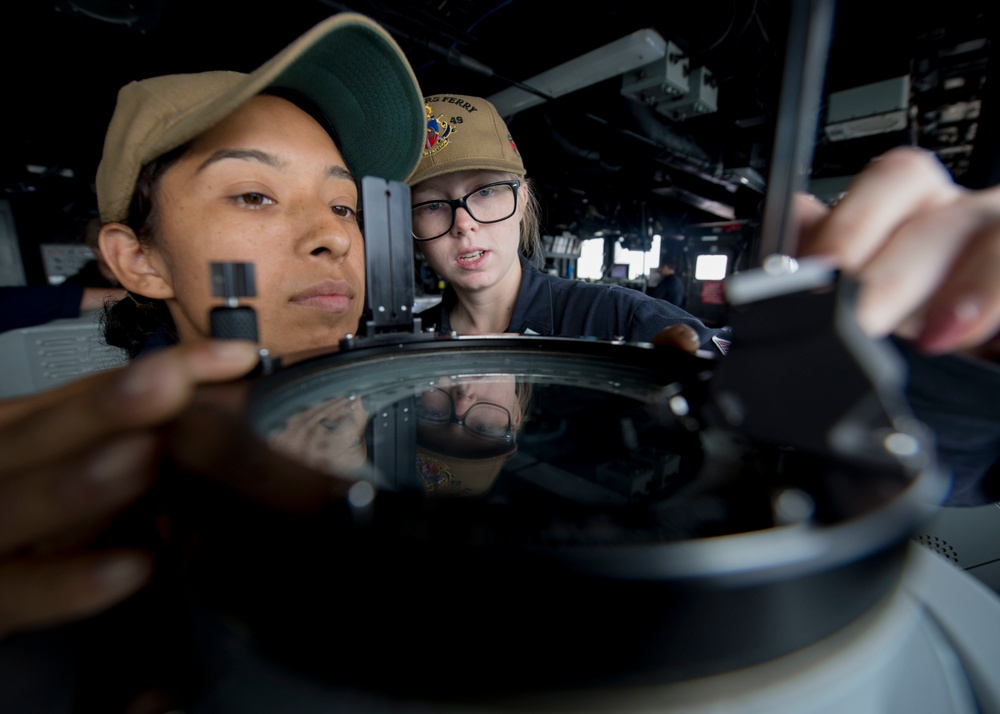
x,y
347,65
445,475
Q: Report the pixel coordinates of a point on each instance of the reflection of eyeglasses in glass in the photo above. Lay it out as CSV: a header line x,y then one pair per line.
x,y
491,203
484,419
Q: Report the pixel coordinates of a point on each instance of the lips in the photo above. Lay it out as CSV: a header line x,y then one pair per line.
x,y
326,294
472,258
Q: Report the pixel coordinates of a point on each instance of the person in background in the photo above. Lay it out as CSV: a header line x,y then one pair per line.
x,y
670,287
919,245
90,288
476,220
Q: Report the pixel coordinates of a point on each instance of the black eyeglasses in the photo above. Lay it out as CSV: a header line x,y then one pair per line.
x,y
484,419
491,203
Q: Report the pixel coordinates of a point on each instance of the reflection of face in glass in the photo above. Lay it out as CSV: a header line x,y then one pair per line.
x,y
471,415
482,419
328,437
466,432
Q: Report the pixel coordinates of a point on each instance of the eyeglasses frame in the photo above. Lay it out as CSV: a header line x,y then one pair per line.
x,y
457,203
508,436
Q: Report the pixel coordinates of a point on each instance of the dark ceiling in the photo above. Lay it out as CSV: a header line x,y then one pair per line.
x,y
600,159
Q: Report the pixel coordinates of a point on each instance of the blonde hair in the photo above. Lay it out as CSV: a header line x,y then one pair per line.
x,y
531,225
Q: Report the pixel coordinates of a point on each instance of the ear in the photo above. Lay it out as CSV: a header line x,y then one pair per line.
x,y
132,262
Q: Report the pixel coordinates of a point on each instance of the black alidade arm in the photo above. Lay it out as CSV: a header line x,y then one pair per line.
x,y
389,296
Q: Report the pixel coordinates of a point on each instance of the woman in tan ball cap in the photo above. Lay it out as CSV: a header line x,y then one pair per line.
x,y
215,166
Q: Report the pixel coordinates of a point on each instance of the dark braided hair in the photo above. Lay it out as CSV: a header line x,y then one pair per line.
x,y
130,322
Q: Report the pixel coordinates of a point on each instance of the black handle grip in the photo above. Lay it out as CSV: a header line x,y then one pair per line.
x,y
234,323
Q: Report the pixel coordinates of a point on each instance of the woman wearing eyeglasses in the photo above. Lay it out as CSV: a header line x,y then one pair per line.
x,y
923,249
476,221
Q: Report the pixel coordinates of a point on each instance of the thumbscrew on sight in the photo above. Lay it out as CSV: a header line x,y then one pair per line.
x,y
233,321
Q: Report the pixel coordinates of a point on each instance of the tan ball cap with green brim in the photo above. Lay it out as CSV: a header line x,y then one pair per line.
x,y
347,65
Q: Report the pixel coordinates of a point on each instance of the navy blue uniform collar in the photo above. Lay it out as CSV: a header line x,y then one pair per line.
x,y
533,309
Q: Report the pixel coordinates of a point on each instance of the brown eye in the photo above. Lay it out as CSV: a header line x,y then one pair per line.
x,y
254,199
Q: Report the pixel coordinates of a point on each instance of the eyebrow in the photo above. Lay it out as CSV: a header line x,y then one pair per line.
x,y
268,159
